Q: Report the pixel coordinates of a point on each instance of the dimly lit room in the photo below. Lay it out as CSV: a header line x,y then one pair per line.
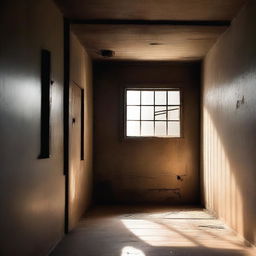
x,y
128,127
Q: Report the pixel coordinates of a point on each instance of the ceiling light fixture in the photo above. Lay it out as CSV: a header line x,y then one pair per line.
x,y
106,53
155,43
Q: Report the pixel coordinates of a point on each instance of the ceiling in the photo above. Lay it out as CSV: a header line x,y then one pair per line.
x,y
152,43
151,9
153,30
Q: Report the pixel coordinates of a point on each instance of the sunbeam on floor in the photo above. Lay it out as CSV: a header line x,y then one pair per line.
x,y
151,231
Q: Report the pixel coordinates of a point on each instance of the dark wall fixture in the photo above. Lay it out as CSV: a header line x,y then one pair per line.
x,y
82,124
107,53
45,103
155,43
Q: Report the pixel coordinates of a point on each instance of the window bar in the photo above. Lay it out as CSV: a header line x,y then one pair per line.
x,y
154,113
140,112
153,105
166,113
125,112
162,112
150,120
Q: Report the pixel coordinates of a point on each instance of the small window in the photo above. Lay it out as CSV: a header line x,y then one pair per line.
x,y
153,113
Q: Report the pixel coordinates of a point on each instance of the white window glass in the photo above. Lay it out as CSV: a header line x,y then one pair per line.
x,y
174,113
160,129
153,113
147,113
173,98
133,128
133,113
174,129
160,113
147,128
147,98
160,98
133,97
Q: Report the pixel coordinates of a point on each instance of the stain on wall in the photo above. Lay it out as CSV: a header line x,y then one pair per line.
x,y
229,121
32,189
145,170
81,177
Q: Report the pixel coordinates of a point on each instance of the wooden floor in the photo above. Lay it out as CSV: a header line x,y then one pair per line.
x,y
151,231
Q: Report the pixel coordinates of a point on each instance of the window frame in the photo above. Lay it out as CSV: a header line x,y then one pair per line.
x,y
153,88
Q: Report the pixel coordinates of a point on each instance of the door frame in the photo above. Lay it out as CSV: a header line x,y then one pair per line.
x,y
66,118
67,121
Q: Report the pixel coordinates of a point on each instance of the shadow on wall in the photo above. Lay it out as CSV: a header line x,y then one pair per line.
x,y
224,183
229,139
221,191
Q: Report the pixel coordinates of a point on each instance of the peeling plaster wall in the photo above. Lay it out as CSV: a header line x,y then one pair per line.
x,y
127,170
229,121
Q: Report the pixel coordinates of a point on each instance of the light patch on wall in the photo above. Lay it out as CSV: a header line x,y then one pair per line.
x,y
25,94
221,191
72,186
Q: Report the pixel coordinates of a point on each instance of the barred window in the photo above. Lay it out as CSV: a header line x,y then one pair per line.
x,y
153,113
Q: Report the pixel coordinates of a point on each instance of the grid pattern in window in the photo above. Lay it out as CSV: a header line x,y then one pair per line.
x,y
153,113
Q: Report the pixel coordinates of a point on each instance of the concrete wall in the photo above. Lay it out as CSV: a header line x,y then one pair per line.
x,y
81,179
229,121
131,170
31,189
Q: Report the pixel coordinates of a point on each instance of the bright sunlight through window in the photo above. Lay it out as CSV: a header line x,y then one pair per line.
x,y
153,113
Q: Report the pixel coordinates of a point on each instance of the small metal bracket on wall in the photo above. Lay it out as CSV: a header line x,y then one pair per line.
x,y
240,102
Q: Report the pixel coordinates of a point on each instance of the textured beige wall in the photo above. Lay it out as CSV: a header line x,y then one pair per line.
x,y
32,190
229,122
80,180
135,170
